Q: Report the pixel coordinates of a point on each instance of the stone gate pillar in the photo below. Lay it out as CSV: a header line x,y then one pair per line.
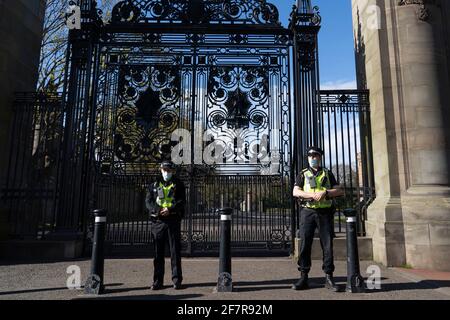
x,y
20,41
401,53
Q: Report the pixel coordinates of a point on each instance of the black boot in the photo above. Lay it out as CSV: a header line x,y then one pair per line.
x,y
302,283
330,284
177,285
157,285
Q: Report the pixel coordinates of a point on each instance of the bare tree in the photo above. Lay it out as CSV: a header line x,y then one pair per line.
x,y
53,47
54,43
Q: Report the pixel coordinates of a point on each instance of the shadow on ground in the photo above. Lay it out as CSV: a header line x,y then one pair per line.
x,y
145,297
17,262
49,289
239,286
421,285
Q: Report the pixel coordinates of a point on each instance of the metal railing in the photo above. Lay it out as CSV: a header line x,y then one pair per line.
x,y
345,136
262,203
261,217
31,189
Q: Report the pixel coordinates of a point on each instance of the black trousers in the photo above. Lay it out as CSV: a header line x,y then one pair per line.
x,y
163,231
310,219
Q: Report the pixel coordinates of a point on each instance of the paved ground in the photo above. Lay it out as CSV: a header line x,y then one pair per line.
x,y
254,278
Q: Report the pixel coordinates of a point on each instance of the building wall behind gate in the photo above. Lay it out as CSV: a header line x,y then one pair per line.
x,y
21,24
402,57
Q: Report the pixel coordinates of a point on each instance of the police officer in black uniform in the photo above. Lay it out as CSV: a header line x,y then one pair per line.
x,y
315,187
166,200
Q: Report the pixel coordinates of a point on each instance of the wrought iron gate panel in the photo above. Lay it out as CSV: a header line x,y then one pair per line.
x,y
184,81
227,86
31,189
261,216
345,135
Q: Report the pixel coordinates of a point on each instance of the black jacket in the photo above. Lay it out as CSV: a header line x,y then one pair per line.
x,y
178,210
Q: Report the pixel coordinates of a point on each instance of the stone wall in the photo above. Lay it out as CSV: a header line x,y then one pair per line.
x,y
20,40
404,63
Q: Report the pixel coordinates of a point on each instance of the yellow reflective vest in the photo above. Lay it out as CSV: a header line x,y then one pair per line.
x,y
168,199
322,183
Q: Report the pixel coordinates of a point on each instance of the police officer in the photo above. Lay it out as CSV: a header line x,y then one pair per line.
x,y
316,187
166,200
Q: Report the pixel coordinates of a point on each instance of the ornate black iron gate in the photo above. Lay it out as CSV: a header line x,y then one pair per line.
x,y
210,84
205,83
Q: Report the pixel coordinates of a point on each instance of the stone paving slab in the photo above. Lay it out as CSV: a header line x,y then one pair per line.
x,y
253,278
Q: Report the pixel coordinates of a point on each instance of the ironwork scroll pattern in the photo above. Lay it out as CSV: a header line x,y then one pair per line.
x,y
196,11
238,109
147,113
344,102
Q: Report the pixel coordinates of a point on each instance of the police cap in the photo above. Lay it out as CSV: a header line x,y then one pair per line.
x,y
167,164
314,150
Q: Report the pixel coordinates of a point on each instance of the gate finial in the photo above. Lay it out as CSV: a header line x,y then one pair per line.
x,y
304,6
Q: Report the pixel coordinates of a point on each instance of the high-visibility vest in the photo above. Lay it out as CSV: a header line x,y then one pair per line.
x,y
167,200
322,177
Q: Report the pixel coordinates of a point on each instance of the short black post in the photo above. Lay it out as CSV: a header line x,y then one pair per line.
x,y
355,283
94,283
225,282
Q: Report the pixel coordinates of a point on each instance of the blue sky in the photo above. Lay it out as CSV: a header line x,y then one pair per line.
x,y
337,60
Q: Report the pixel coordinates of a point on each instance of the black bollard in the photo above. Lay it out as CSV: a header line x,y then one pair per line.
x,y
225,282
94,283
355,283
